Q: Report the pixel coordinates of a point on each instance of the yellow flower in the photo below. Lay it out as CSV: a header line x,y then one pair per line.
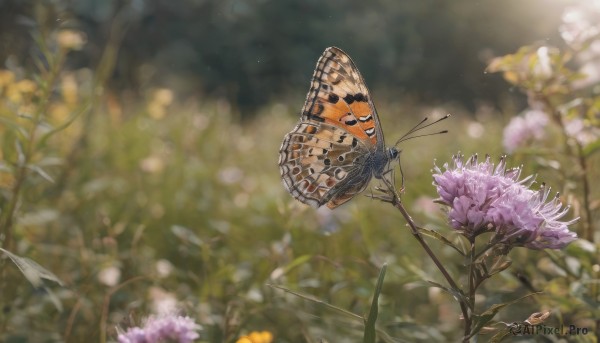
x,y
69,89
156,111
27,109
163,96
26,86
256,337
13,94
59,112
71,40
161,99
152,164
6,77
7,182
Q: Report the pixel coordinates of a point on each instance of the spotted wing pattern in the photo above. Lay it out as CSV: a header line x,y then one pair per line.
x,y
339,96
325,158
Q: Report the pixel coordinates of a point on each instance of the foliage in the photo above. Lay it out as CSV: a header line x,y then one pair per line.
x,y
562,84
254,52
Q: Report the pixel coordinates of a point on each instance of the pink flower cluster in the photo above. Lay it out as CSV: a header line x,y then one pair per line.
x,y
524,128
483,197
168,328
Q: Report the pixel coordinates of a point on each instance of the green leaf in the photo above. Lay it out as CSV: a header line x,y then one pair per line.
x,y
186,235
481,320
500,335
41,172
582,250
40,217
20,153
50,162
370,331
26,116
298,261
318,301
499,266
32,271
591,148
481,271
440,238
63,126
456,293
16,127
40,42
5,168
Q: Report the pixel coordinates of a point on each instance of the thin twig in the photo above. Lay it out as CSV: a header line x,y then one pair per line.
x,y
472,288
588,223
106,305
396,201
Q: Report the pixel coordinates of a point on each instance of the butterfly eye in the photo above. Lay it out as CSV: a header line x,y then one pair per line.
x,y
393,152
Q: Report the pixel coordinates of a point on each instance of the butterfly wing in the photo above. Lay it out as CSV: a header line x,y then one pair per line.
x,y
339,96
321,164
322,159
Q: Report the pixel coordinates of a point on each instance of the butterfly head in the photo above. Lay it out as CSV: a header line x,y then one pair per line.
x,y
393,153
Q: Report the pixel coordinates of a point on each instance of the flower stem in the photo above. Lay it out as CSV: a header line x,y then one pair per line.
x,y
588,223
472,287
6,222
415,232
588,233
7,218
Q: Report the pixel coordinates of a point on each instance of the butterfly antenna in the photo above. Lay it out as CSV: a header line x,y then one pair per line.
x,y
414,128
423,135
419,127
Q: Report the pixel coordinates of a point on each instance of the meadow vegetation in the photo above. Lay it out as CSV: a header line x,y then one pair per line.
x,y
113,211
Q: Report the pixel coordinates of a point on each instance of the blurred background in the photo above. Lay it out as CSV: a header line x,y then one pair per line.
x,y
252,53
139,146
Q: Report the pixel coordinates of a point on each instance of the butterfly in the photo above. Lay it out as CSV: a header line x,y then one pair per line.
x,y
338,146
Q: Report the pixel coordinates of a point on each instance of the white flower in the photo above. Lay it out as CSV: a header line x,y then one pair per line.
x,y
110,276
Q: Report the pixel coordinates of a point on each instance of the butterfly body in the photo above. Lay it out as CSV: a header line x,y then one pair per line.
x,y
338,145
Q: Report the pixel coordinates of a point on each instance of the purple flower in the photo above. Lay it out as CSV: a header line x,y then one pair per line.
x,y
483,197
583,132
469,189
169,328
522,129
580,23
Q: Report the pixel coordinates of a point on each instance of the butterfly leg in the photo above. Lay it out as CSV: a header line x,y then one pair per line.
x,y
386,192
401,178
390,170
391,191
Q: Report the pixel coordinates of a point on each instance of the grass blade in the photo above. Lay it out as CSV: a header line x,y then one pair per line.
x,y
370,331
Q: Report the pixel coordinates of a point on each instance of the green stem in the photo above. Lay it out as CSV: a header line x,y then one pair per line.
x,y
581,160
21,175
490,245
413,227
588,234
472,289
